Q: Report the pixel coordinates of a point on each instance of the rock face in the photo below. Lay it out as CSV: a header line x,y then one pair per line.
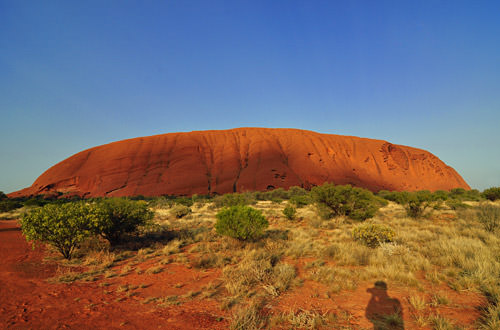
x,y
243,159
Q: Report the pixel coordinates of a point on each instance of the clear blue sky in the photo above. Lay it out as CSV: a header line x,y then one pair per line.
x,y
76,74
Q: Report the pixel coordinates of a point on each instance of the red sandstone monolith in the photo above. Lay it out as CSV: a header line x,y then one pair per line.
x,y
242,159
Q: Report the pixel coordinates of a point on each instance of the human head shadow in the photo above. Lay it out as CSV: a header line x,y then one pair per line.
x,y
383,311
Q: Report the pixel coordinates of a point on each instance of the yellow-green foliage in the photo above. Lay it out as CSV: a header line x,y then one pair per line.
x,y
63,226
373,234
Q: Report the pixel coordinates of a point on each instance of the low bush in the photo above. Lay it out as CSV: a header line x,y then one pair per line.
x,y
241,222
300,201
186,201
465,195
276,195
289,212
63,226
492,193
416,203
118,216
8,205
36,201
373,234
180,211
389,195
299,196
355,203
489,216
228,200
456,204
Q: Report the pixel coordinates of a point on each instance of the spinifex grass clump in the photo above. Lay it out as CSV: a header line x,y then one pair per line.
x,y
373,234
180,211
241,222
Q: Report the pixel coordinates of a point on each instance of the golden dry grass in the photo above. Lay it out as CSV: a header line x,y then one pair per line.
x,y
448,252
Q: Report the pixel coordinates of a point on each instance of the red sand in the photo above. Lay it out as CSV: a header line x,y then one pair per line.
x,y
28,301
243,159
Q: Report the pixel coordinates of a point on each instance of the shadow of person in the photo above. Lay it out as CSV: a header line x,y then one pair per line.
x,y
383,311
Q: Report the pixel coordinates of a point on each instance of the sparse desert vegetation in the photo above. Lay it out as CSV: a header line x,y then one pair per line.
x,y
241,259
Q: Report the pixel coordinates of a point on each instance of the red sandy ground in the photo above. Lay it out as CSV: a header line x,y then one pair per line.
x,y
28,301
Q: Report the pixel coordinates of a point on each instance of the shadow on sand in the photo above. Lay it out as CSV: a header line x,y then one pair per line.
x,y
383,311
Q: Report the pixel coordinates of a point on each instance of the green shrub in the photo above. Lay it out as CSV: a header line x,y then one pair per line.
x,y
36,201
180,211
186,201
416,203
389,195
465,195
456,204
275,195
489,216
441,195
492,193
8,205
289,212
355,203
300,201
118,216
373,234
234,199
278,194
3,196
241,222
299,196
63,226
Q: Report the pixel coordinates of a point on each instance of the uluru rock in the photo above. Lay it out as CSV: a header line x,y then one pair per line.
x,y
242,159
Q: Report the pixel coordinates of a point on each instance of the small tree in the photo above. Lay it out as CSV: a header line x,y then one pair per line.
x,y
118,216
355,203
241,222
63,226
492,193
